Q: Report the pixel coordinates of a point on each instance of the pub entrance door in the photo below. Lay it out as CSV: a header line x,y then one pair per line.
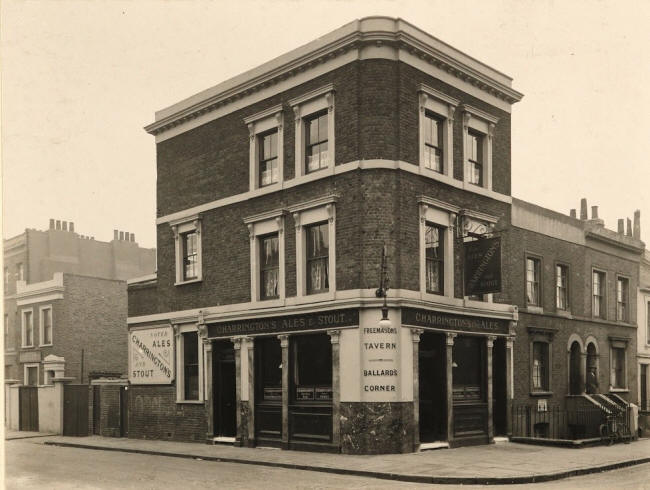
x,y
268,391
224,383
433,387
469,395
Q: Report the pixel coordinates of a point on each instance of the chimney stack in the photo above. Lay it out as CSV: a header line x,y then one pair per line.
x,y
583,208
572,213
133,237
71,226
594,212
636,233
621,226
121,236
115,232
58,224
51,223
65,225
629,227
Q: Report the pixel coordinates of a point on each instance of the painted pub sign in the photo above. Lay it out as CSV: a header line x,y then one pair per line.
x,y
151,356
482,266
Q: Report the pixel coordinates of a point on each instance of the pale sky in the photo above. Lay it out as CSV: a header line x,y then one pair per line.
x,y
81,78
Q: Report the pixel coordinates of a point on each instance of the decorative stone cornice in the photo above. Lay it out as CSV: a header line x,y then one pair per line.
x,y
369,32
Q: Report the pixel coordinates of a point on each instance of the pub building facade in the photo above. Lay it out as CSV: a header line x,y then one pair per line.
x,y
278,192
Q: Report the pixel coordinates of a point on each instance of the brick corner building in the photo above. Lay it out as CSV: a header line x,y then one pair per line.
x,y
280,193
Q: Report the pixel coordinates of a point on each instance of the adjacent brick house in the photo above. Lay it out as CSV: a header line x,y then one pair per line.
x,y
65,303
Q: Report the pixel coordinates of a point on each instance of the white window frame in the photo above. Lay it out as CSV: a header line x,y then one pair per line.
x,y
305,214
303,107
627,316
443,107
180,371
38,372
618,343
484,123
259,226
24,327
180,227
603,289
259,123
444,215
41,325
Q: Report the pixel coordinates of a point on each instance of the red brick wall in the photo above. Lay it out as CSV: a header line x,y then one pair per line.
x,y
154,414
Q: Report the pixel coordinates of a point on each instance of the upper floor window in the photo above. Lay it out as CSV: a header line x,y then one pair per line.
x,y
561,287
269,266
478,132
268,166
46,325
266,232
6,330
433,142
187,234
28,328
6,277
317,258
189,242
475,158
622,299
314,119
20,271
533,294
316,154
435,258
598,294
315,223
266,155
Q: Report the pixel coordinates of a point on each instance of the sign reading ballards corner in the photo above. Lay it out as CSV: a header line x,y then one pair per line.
x,y
483,266
308,321
151,356
435,319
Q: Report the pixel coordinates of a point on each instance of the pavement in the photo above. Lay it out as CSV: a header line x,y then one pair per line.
x,y
502,463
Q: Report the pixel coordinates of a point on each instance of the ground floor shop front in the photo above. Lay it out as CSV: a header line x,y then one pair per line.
x,y
339,381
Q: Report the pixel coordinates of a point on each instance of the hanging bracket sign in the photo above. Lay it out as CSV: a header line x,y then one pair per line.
x,y
151,356
483,266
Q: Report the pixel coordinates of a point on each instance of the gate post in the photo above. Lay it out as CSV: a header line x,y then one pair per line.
x,y
11,404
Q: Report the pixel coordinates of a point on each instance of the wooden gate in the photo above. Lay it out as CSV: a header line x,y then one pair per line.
x,y
96,410
28,407
75,410
124,411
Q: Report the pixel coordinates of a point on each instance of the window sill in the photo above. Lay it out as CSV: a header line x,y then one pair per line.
x,y
541,393
192,281
564,313
28,347
46,345
619,390
190,402
536,310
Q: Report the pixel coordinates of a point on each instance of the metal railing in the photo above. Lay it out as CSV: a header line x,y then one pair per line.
x,y
554,422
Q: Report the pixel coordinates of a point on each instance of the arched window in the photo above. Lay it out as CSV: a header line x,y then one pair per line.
x,y
592,369
575,380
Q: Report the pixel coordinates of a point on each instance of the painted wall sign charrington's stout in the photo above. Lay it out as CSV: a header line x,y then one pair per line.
x,y
308,321
151,356
435,319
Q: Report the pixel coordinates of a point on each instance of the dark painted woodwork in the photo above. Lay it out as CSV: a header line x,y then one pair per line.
x,y
28,407
75,410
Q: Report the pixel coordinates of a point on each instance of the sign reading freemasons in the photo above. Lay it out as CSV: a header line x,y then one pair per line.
x,y
151,356
483,266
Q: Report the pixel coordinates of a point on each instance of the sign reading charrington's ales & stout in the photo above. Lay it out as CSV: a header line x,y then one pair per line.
x,y
151,356
307,321
435,319
483,266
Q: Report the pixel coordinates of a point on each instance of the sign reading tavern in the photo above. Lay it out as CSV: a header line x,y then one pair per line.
x,y
435,319
483,266
308,321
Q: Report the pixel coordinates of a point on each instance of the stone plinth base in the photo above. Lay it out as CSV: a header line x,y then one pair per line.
x,y
377,427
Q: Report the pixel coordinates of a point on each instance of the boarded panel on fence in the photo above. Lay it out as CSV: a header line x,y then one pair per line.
x,y
28,403
75,410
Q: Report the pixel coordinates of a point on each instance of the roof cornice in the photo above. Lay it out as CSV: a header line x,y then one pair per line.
x,y
371,31
633,247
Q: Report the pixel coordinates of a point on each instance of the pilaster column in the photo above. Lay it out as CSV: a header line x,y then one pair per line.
x,y
250,344
336,387
450,387
237,341
207,349
490,398
509,384
415,337
284,343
